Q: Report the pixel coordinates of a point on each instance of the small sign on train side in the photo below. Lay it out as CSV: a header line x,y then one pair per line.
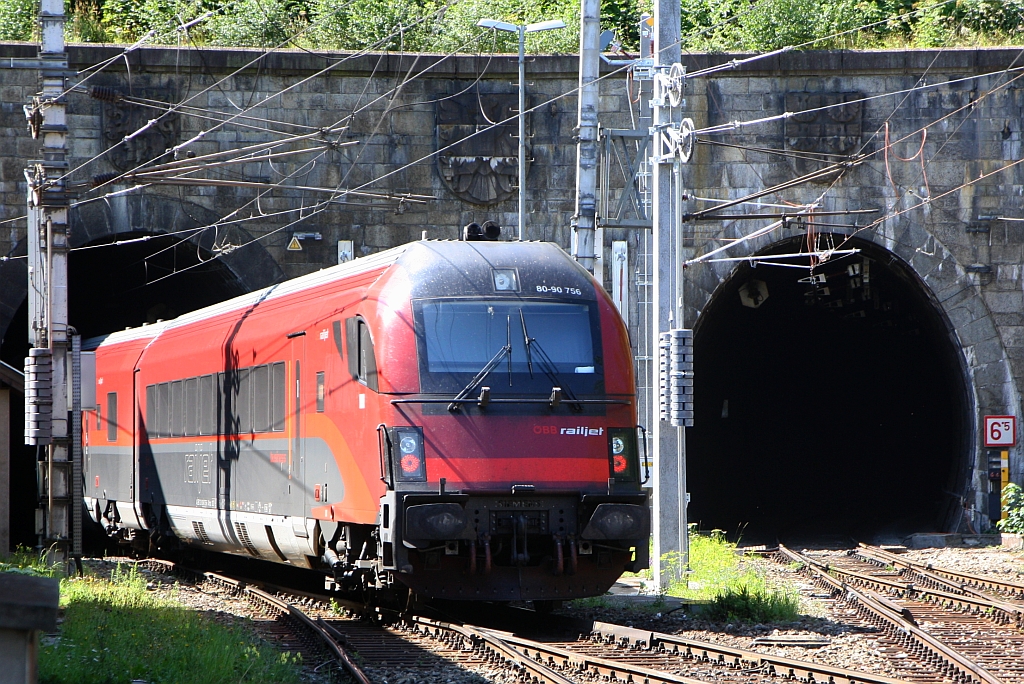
x,y
1000,431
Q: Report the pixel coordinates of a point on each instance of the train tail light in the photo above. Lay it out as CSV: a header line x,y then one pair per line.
x,y
408,462
622,454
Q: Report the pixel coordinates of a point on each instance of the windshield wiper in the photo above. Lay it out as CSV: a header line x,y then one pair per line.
x,y
485,371
526,343
559,389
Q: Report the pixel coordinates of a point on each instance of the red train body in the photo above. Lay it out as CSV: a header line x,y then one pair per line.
x,y
455,417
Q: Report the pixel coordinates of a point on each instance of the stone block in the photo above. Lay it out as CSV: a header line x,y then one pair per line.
x,y
1004,319
28,603
988,352
1004,302
734,85
412,122
975,332
993,376
11,93
1012,335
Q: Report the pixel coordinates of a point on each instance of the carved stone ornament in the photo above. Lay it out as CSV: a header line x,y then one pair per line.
x,y
825,123
481,168
121,119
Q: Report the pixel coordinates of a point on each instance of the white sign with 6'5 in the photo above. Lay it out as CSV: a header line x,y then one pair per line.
x,y
1000,431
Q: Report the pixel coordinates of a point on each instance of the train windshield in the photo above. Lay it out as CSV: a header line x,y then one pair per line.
x,y
535,340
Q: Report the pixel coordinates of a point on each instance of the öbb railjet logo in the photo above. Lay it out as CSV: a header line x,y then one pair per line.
x,y
578,431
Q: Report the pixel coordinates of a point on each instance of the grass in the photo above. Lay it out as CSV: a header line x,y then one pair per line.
x,y
117,631
27,562
734,588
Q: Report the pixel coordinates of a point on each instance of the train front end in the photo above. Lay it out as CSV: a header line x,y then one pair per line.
x,y
509,443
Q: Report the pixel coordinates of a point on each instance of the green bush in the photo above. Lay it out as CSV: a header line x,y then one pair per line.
x,y
1013,506
128,20
18,19
777,24
753,603
447,25
733,587
254,23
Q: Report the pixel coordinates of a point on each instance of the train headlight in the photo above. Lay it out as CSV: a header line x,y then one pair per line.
x,y
618,521
408,463
622,455
439,521
505,280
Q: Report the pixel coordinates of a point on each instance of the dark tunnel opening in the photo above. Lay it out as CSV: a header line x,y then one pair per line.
x,y
834,407
111,288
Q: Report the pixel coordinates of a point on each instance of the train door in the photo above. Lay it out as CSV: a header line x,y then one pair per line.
x,y
141,461
297,451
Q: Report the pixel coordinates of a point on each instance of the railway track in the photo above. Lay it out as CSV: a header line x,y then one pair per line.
x,y
959,633
292,629
418,648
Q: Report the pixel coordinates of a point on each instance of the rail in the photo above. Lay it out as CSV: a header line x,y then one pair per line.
x,y
323,634
958,580
885,612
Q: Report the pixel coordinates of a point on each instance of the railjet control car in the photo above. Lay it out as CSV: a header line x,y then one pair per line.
x,y
454,417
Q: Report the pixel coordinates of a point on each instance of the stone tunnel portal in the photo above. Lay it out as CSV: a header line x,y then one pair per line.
x,y
832,407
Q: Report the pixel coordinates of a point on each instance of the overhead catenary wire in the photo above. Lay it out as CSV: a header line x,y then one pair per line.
x,y
502,122
249,64
344,193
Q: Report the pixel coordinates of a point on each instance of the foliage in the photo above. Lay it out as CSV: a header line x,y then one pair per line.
x,y
1013,506
27,562
116,631
753,602
17,19
733,587
255,23
450,25
373,24
781,23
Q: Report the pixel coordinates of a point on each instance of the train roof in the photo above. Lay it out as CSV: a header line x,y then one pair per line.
x,y
327,275
438,267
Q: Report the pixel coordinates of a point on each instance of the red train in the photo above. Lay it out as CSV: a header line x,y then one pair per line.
x,y
457,417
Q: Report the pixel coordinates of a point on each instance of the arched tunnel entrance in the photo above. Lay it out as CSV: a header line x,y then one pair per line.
x,y
836,404
149,276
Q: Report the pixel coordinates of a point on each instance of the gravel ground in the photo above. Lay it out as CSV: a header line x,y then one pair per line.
x,y
852,643
848,641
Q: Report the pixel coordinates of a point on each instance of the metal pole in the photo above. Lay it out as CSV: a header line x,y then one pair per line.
x,y
76,447
667,514
585,219
677,220
47,407
522,130
5,472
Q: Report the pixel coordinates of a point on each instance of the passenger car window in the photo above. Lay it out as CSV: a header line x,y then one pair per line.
x,y
112,416
361,362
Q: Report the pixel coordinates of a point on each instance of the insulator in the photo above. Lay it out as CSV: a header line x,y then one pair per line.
x,y
103,178
104,93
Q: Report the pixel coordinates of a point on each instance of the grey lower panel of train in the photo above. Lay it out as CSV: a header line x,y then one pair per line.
x,y
238,496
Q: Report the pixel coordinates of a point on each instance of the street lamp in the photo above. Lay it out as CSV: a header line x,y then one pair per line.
x,y
522,30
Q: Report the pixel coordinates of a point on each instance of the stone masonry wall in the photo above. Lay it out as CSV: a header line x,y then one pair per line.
x,y
970,263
